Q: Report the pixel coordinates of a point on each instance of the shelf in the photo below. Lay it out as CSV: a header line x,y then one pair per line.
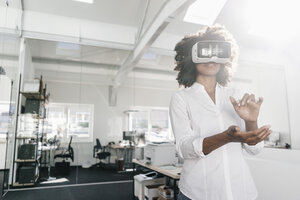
x,y
25,161
33,95
34,116
39,117
17,184
24,138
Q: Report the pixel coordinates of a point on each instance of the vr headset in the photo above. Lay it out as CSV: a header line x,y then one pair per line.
x,y
211,51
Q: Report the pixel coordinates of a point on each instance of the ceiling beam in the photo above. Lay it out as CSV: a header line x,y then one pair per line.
x,y
44,63
169,10
143,19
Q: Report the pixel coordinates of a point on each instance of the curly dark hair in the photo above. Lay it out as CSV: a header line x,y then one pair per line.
x,y
187,69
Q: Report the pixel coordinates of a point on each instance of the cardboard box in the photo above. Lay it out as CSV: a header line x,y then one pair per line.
x,y
151,192
165,193
140,182
32,86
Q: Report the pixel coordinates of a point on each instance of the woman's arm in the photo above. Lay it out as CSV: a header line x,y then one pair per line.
x,y
248,110
234,134
188,142
190,145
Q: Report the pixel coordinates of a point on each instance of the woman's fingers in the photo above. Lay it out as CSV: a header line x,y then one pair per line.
x,y
253,137
254,141
251,98
257,138
244,99
266,135
260,100
259,130
234,103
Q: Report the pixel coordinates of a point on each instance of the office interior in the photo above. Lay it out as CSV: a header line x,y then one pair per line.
x,y
85,87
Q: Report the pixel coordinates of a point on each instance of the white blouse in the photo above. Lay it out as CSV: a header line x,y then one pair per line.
x,y
222,174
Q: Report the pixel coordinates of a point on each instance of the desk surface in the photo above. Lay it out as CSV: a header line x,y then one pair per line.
x,y
120,147
173,173
48,148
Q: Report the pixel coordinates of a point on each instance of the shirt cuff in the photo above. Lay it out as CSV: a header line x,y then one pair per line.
x,y
198,146
254,149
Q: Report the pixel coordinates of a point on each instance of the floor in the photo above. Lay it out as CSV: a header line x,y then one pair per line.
x,y
79,175
107,191
3,174
1,181
90,184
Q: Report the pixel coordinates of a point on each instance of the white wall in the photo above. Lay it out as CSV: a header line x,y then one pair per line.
x,y
293,83
276,173
107,120
273,56
267,81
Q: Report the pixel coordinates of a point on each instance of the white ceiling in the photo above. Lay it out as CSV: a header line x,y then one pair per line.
x,y
63,52
119,12
122,12
75,52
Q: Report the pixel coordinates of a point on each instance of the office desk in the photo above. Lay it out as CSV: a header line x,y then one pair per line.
x,y
48,152
168,171
126,154
120,147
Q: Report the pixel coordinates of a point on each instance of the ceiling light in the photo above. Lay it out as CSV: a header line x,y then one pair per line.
x,y
85,1
204,12
67,46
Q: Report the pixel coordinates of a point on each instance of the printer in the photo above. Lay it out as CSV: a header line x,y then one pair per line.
x,y
160,154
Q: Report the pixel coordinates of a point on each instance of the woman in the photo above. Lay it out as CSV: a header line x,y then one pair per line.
x,y
213,123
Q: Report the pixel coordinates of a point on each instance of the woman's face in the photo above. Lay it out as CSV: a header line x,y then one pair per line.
x,y
208,69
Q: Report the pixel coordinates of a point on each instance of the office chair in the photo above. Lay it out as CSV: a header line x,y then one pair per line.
x,y
103,154
69,153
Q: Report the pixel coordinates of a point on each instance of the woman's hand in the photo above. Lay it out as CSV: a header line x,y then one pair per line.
x,y
250,137
247,108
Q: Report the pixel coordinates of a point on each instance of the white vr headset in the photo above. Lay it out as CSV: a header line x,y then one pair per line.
x,y
211,51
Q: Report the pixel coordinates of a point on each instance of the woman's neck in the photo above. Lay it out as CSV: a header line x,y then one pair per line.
x,y
209,82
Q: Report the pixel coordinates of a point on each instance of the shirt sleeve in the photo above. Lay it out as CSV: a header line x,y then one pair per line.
x,y
188,143
250,149
253,149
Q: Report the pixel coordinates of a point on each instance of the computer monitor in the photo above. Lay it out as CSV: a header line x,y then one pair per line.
x,y
129,135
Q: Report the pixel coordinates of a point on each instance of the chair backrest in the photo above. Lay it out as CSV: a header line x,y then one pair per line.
x,y
70,149
70,142
71,152
98,144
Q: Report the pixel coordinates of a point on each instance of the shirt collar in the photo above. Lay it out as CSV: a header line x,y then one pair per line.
x,y
197,85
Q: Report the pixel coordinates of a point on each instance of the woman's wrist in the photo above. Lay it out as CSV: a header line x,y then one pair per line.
x,y
251,125
249,121
227,137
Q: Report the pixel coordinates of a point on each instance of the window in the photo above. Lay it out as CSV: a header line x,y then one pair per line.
x,y
66,120
159,120
4,119
139,121
154,122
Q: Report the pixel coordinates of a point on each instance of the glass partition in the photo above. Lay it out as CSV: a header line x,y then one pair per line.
x,y
80,127
9,70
